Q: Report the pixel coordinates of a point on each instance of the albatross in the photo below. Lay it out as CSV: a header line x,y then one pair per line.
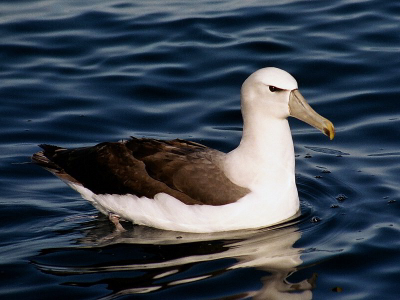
x,y
185,186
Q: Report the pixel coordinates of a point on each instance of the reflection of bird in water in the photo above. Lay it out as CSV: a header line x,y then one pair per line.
x,y
155,261
184,186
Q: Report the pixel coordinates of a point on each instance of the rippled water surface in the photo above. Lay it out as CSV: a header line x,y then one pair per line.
x,y
75,73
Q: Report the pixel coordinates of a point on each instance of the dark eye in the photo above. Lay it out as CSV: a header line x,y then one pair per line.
x,y
273,88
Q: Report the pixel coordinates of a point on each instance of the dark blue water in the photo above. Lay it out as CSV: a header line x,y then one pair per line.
x,y
75,73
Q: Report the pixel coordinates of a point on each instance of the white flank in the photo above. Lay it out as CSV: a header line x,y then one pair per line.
x,y
166,212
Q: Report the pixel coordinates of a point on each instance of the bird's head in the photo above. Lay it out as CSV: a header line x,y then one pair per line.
x,y
274,93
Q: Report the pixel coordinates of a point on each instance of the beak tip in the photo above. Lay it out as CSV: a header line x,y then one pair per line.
x,y
329,131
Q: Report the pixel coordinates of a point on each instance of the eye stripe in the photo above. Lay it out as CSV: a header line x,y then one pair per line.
x,y
274,89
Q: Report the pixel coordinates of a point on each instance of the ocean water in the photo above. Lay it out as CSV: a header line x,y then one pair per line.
x,y
75,73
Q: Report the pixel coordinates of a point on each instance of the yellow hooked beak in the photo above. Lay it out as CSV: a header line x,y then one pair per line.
x,y
300,109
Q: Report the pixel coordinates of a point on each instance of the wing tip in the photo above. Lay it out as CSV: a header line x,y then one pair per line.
x,y
44,158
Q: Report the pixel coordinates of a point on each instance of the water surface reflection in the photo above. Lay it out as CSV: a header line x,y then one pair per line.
x,y
155,263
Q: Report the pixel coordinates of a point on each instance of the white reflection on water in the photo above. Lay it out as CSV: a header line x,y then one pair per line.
x,y
270,250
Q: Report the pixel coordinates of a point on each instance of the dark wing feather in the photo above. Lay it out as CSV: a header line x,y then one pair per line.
x,y
144,167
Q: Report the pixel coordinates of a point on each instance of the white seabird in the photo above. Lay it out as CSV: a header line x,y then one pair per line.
x,y
185,186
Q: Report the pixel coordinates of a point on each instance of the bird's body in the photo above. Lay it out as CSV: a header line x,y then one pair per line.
x,y
184,186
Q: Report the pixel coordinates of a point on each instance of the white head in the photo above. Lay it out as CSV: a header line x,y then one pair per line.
x,y
274,77
267,91
273,93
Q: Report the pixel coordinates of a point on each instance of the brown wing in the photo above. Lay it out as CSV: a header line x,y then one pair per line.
x,y
144,167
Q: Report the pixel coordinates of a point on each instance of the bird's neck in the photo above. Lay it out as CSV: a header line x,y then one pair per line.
x,y
265,154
